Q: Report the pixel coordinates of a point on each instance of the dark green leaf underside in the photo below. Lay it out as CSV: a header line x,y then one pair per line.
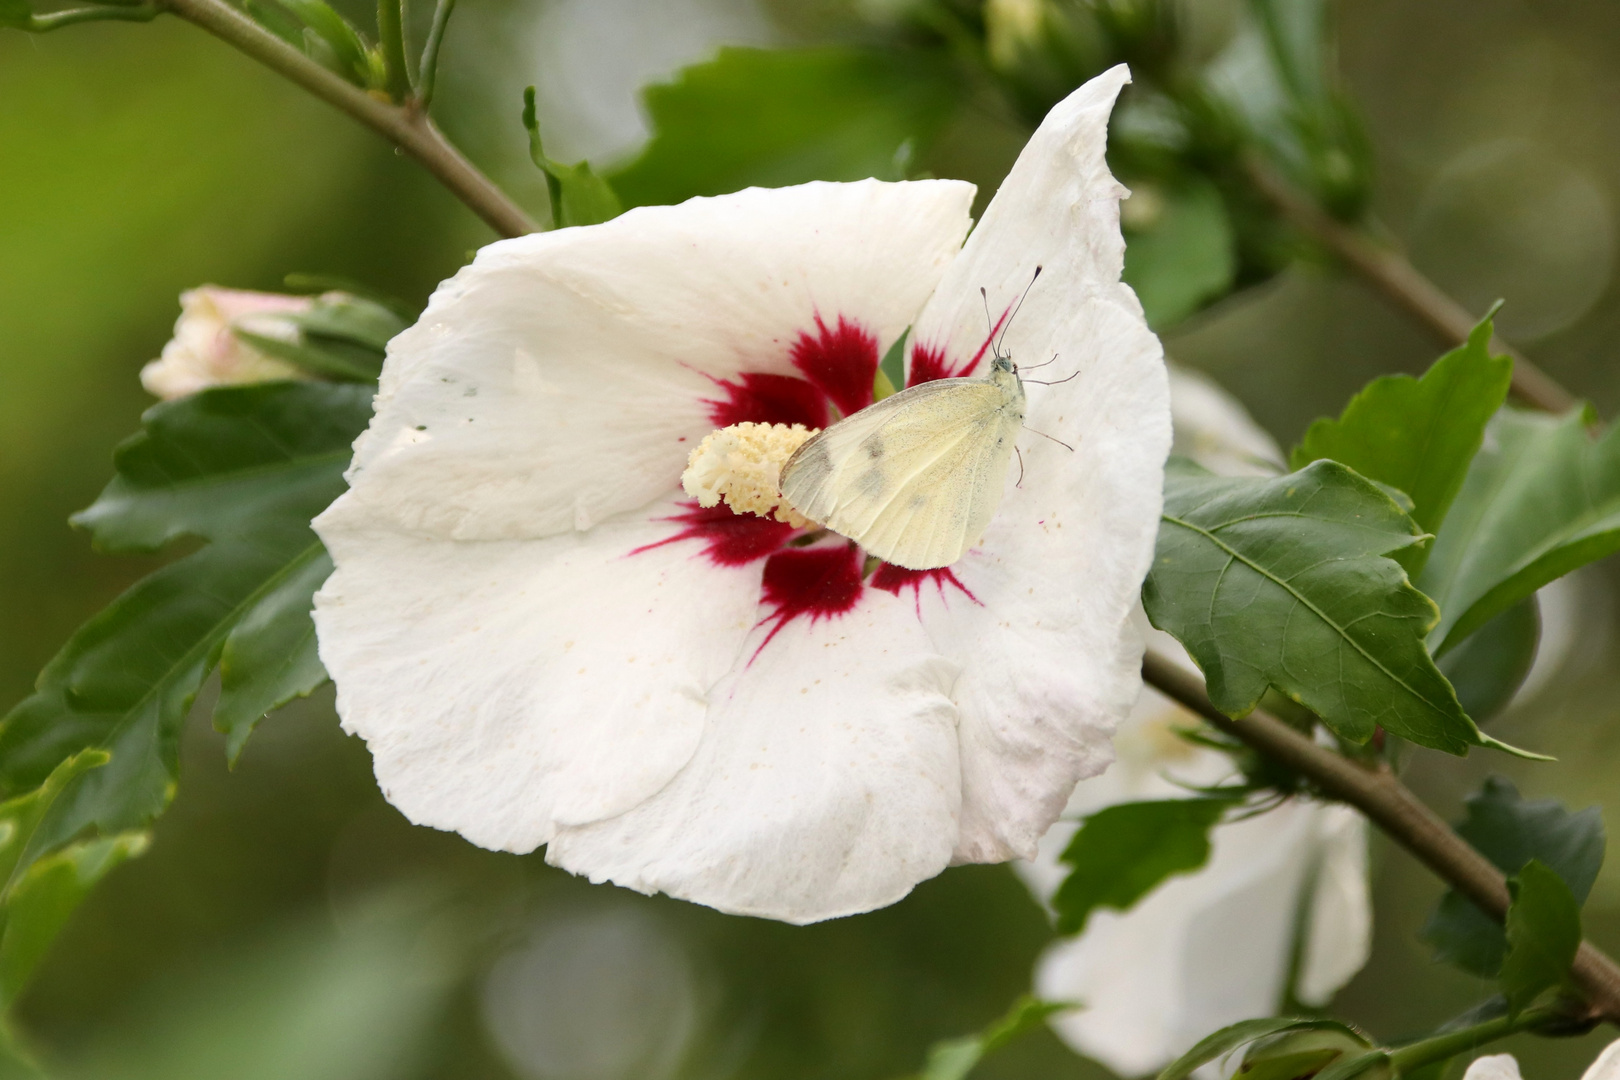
x,y
1510,831
1543,932
243,469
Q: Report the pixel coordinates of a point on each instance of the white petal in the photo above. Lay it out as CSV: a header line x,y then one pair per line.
x,y
506,687
825,784
1493,1067
1200,952
1051,659
1607,1065
1058,209
562,377
1338,938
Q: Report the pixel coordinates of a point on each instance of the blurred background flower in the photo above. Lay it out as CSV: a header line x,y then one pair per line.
x,y
142,160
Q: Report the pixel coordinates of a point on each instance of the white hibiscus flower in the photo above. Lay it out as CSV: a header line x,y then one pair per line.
x,y
543,641
1283,890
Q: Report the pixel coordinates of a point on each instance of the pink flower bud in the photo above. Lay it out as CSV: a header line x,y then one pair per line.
x,y
205,350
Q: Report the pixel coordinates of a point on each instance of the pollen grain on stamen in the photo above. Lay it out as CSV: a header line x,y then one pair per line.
x,y
742,465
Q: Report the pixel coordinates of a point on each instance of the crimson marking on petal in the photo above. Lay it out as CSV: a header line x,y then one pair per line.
x,y
841,362
733,539
768,399
893,579
820,582
928,361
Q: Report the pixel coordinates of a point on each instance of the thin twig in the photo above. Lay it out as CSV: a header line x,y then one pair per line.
x,y
427,76
1378,794
408,127
1392,274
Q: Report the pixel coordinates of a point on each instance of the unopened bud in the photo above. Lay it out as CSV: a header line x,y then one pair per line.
x,y
206,351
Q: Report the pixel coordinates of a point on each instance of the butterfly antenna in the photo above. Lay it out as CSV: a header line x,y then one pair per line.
x,y
1044,435
990,327
1016,307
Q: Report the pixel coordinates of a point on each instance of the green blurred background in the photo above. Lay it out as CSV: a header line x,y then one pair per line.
x,y
288,923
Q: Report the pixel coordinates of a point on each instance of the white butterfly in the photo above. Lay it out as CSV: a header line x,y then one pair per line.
x,y
915,478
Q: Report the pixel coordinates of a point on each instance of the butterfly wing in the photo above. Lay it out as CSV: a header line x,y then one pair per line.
x,y
915,478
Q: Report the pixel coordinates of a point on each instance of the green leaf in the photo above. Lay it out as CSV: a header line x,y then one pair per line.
x,y
1179,249
269,657
226,463
1123,852
243,469
340,337
953,1059
351,289
354,319
41,902
1282,582
38,894
1542,498
1418,435
337,360
350,57
776,117
1543,932
578,195
1242,1033
1511,831
20,816
1489,667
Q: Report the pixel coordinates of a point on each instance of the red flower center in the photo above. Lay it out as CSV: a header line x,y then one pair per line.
x,y
838,364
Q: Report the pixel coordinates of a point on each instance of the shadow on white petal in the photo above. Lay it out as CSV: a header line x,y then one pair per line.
x,y
826,783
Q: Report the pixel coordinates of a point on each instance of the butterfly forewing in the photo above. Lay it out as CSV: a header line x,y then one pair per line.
x,y
915,478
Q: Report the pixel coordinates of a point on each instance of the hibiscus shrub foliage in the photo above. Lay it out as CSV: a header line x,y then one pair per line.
x,y
1372,593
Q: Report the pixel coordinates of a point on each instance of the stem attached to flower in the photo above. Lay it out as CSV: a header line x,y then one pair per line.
x,y
1392,274
407,125
1391,804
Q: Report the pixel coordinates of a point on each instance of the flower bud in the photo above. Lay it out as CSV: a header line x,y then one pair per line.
x,y
206,350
